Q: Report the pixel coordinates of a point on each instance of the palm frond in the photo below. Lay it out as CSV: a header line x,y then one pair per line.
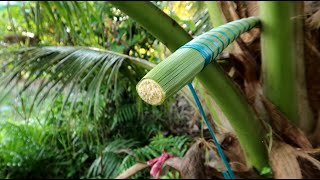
x,y
108,163
78,72
125,113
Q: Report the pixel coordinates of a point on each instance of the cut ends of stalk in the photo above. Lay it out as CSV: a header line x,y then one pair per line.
x,y
169,76
150,91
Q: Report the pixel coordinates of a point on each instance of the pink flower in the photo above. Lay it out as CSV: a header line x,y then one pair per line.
x,y
157,164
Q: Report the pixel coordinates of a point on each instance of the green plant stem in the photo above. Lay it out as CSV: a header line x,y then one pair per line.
x,y
208,106
151,17
248,128
278,61
217,18
241,116
215,13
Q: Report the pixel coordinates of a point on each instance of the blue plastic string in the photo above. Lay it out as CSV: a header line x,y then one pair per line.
x,y
203,51
231,30
208,54
226,174
235,26
246,28
206,45
246,21
212,42
217,46
223,33
213,35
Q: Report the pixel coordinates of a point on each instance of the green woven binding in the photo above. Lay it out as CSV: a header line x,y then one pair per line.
x,y
169,76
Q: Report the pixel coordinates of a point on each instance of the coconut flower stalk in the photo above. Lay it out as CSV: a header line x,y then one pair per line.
x,y
247,126
173,73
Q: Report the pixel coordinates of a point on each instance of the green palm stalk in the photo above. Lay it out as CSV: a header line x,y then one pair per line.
x,y
233,104
215,13
283,60
169,76
277,43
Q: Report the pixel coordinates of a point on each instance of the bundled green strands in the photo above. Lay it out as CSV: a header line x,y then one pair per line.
x,y
169,76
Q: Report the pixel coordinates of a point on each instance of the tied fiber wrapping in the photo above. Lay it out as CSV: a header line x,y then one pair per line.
x,y
212,43
169,76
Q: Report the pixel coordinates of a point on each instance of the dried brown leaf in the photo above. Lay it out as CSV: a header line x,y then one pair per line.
x,y
191,166
314,20
284,162
132,170
283,127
